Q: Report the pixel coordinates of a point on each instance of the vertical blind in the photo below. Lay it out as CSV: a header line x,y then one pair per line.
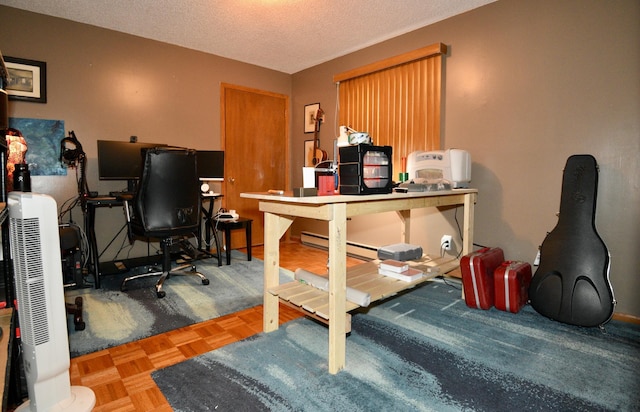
x,y
397,101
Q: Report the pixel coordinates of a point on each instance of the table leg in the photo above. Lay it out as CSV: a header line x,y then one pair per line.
x,y
248,237
271,272
216,241
467,228
337,287
405,227
227,244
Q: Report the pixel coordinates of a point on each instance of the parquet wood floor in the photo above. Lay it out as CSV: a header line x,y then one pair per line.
x,y
121,376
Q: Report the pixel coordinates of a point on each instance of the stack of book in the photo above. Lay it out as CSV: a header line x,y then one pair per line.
x,y
399,270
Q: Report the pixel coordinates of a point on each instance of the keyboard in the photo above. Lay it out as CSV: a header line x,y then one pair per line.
x,y
121,193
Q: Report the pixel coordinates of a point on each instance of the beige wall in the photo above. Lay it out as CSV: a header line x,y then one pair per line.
x,y
527,84
108,85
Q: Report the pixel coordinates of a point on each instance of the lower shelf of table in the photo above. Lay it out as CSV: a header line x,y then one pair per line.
x,y
365,278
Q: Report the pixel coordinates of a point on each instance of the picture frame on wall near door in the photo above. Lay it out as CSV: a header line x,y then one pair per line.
x,y
308,153
310,111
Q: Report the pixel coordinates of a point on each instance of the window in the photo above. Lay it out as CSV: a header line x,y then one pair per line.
x,y
396,100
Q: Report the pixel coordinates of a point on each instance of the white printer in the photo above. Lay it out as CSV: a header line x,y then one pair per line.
x,y
452,166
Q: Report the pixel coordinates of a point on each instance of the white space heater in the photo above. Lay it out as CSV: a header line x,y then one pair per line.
x,y
35,247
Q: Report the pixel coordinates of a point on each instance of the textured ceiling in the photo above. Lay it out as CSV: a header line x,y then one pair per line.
x,y
283,35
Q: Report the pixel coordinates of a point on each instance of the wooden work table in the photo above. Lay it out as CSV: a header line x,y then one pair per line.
x,y
280,212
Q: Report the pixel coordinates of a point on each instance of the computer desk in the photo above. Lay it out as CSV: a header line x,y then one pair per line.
x,y
93,203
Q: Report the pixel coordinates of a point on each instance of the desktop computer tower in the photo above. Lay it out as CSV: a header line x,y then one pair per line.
x,y
71,256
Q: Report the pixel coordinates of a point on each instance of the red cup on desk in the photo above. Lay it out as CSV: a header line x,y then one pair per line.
x,y
326,185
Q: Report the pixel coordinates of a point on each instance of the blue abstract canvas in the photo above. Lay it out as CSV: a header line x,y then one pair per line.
x,y
43,139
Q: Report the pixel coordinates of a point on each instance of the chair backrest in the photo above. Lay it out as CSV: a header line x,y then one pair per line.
x,y
167,201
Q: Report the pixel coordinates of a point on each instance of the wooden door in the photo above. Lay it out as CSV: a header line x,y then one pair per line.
x,y
255,139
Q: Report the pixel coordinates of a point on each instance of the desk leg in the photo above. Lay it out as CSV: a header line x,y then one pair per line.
x,y
208,217
209,228
90,228
467,230
216,241
337,287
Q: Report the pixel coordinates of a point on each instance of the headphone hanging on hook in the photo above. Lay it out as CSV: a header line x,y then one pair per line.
x,y
71,152
72,155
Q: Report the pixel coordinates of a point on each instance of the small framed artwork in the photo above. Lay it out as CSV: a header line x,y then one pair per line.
x,y
27,80
308,153
310,111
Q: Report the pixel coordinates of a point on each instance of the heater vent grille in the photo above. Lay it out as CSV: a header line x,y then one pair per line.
x,y
29,274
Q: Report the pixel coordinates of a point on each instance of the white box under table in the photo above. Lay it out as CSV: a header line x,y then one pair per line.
x,y
332,306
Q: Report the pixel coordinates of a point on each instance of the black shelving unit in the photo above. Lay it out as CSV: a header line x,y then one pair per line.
x,y
365,170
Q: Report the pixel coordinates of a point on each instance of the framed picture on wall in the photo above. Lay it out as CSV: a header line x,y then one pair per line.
x,y
310,112
27,80
308,153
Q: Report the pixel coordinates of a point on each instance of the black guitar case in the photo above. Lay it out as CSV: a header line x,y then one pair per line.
x,y
571,284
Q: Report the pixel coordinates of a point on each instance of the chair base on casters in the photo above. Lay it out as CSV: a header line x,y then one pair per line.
x,y
166,271
180,270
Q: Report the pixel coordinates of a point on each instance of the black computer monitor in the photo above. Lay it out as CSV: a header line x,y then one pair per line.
x,y
119,160
210,165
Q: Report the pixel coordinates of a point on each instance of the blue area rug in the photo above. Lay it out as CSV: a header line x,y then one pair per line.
x,y
423,350
113,317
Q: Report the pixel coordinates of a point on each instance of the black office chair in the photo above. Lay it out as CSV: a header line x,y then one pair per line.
x,y
165,206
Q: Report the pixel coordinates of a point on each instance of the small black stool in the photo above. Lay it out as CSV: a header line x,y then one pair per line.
x,y
227,226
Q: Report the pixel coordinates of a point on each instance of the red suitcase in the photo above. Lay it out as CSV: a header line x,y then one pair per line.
x,y
511,281
477,276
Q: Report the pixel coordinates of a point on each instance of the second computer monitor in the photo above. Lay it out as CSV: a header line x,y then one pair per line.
x,y
210,165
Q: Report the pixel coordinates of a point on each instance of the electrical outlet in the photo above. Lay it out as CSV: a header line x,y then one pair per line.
x,y
445,242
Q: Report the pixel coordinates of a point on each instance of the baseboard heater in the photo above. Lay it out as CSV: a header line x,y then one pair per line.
x,y
354,249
